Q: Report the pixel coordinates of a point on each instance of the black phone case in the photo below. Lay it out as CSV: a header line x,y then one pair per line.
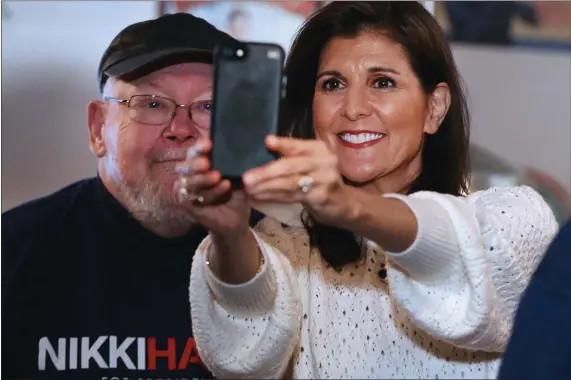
x,y
247,95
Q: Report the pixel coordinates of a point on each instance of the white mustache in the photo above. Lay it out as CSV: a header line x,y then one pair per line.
x,y
175,154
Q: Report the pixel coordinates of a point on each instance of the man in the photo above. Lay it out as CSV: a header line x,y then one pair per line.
x,y
540,346
95,276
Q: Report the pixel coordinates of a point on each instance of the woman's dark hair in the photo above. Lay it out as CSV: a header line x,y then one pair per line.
x,y
445,155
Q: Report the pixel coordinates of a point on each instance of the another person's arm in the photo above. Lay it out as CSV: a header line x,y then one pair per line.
x,y
540,345
248,330
474,255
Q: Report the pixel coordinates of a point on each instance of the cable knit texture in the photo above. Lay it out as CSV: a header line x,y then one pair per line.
x,y
445,310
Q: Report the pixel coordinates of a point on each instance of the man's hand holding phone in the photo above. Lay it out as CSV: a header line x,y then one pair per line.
x,y
210,200
248,88
208,196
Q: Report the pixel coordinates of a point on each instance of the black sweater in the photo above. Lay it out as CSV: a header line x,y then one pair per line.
x,y
87,292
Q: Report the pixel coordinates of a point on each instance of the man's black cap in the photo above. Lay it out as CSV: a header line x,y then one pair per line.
x,y
151,45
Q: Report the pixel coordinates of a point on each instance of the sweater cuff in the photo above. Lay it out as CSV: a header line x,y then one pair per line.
x,y
435,253
255,296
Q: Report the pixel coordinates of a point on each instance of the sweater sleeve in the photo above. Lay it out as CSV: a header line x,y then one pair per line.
x,y
250,330
462,278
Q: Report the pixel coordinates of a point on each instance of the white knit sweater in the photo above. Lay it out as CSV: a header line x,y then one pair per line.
x,y
445,310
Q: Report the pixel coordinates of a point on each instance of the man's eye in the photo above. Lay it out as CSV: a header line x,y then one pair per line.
x,y
154,105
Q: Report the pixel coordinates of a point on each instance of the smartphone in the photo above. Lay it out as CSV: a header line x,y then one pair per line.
x,y
248,88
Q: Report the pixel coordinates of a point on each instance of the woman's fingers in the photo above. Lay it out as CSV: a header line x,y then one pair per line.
x,y
284,197
283,167
288,146
286,184
312,189
277,181
285,180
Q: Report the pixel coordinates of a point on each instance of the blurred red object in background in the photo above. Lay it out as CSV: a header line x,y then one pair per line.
x,y
553,14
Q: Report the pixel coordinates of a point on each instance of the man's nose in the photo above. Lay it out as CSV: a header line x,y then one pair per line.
x,y
182,128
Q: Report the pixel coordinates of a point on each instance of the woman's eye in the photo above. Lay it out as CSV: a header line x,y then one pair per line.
x,y
332,85
384,83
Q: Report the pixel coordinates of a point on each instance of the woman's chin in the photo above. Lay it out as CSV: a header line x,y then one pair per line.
x,y
359,180
362,174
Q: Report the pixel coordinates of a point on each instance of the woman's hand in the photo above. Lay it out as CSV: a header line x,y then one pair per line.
x,y
306,173
208,198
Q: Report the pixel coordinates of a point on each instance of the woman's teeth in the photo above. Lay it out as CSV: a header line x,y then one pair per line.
x,y
361,137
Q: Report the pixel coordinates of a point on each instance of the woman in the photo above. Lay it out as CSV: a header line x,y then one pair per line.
x,y
391,271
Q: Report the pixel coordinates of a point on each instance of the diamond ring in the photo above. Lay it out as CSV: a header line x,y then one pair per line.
x,y
305,184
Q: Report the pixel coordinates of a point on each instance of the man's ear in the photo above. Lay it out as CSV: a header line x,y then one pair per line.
x,y
438,105
96,122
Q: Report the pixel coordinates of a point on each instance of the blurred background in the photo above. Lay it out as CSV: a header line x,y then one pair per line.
x,y
515,58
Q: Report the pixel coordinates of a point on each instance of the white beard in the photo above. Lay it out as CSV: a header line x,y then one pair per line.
x,y
149,202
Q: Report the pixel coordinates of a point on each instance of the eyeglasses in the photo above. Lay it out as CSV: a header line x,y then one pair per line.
x,y
158,110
